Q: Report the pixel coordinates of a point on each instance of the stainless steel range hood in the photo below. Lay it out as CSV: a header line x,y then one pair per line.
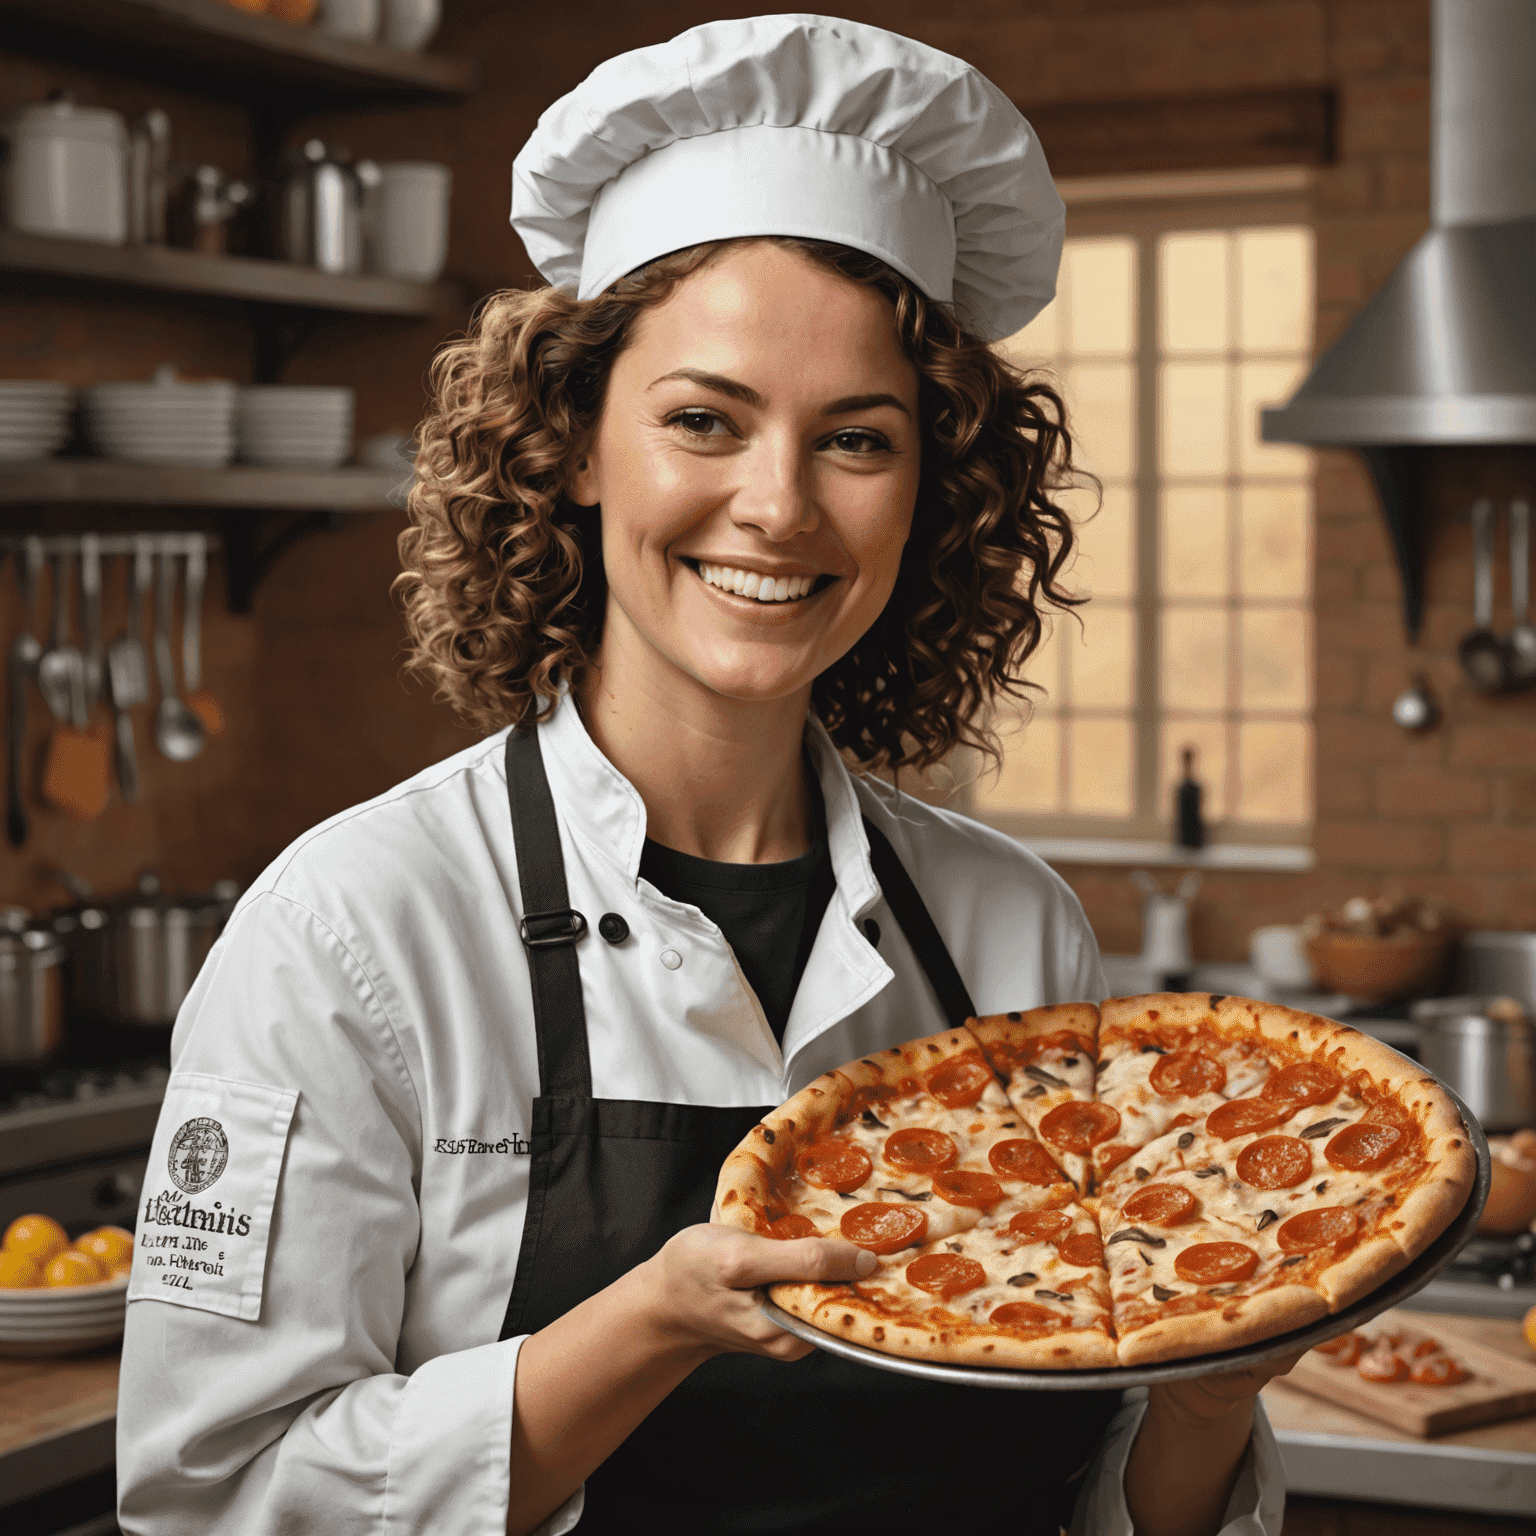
x,y
1446,351
1445,354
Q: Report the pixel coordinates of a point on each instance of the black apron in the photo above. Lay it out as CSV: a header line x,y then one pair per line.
x,y
746,1444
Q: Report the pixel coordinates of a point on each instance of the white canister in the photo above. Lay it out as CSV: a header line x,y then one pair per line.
x,y
412,234
1278,953
410,24
67,172
349,18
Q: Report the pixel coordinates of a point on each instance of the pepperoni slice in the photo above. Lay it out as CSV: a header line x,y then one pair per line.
x,y
1040,1226
788,1228
1112,1157
1026,1314
945,1274
1026,1160
960,1081
1302,1083
1438,1371
977,1190
1322,1228
1344,1350
1163,1205
835,1165
884,1228
1187,1074
1082,1248
1382,1365
1216,1263
1274,1162
919,1150
1365,1147
1077,1126
1237,1117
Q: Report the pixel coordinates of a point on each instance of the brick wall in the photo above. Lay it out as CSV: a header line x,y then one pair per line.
x,y
308,679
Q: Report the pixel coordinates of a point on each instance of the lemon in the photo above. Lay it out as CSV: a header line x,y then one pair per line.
x,y
1529,1326
39,1237
107,1245
73,1268
18,1272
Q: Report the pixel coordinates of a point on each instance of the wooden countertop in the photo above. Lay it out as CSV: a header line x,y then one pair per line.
x,y
58,1418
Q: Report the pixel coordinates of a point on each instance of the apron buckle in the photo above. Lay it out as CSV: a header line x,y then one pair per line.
x,y
547,930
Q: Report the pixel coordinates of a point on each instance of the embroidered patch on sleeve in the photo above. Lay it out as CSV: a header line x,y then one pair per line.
x,y
206,1209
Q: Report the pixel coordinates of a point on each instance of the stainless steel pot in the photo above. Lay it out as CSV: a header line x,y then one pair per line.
x,y
1495,964
134,960
1490,1062
31,990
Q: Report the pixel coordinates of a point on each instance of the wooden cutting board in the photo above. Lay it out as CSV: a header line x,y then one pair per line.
x,y
1497,1388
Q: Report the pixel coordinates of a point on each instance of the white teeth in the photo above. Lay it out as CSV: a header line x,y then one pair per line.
x,y
765,589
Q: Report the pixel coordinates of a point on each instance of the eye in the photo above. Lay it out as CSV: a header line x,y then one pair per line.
x,y
859,440
700,423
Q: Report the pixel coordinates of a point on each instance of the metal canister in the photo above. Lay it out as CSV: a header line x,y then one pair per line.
x,y
31,990
1489,1060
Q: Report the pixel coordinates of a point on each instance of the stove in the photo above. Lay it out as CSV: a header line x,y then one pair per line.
x,y
1490,1277
75,1135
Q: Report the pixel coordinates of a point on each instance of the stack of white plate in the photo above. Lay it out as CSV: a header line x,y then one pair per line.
x,y
34,418
296,426
164,422
63,1319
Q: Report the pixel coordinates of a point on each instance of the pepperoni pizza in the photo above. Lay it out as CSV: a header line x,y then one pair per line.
x,y
1077,1186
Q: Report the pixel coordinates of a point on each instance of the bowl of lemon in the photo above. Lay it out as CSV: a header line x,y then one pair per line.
x,y
59,1297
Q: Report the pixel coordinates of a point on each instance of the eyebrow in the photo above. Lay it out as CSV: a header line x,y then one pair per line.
x,y
734,389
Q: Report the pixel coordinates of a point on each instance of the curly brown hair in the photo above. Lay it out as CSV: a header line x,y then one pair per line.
x,y
502,586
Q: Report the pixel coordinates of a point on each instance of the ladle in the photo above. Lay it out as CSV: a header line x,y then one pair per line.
x,y
1413,708
1484,656
1522,637
178,732
61,669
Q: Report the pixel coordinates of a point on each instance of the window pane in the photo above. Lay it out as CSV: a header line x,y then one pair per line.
x,y
1275,771
1193,541
1209,739
1275,553
1193,431
1101,660
1275,648
1099,768
1261,384
1105,560
1100,291
1194,658
1044,664
1031,774
1037,343
1275,267
1100,399
1193,292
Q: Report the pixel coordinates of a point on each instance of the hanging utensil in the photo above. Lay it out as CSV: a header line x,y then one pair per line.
x,y
128,669
178,732
61,669
1522,637
202,703
21,668
1413,708
90,589
1483,655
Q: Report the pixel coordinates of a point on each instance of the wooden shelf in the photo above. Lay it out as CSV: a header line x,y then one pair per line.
x,y
106,482
279,283
214,49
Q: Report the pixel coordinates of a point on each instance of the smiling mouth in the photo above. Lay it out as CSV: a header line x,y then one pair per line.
x,y
759,588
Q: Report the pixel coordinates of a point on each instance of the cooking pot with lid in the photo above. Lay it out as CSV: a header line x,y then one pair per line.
x,y
1486,1050
133,960
31,990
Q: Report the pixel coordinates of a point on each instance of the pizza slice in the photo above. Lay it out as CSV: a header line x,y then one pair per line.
x,y
1046,1057
1166,1060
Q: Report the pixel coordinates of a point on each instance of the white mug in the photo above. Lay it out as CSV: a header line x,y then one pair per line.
x,y
412,232
1276,952
349,18
409,24
67,172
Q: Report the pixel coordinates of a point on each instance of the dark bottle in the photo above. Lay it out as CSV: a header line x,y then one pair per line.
x,y
1189,824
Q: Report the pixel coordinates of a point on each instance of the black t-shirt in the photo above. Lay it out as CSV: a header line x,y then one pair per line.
x,y
769,913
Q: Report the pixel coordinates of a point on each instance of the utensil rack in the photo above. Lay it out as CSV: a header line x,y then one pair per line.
x,y
69,544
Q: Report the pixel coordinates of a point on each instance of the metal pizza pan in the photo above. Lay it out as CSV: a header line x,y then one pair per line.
x,y
1391,1293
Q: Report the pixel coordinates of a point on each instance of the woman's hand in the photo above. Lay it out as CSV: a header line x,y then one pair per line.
x,y
706,1286
1215,1397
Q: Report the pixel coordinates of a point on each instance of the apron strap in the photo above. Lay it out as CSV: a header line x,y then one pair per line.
x,y
902,897
550,927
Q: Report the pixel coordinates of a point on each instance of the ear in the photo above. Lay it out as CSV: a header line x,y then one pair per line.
x,y
582,487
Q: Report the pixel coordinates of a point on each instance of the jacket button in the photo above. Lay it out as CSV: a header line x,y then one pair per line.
x,y
671,959
613,927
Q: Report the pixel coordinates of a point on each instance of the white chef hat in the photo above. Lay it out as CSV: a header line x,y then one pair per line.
x,y
796,125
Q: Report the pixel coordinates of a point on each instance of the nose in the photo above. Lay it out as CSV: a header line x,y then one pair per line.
x,y
775,497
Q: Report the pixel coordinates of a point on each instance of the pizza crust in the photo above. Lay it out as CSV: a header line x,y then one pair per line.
x,y
1230,1324
1366,1266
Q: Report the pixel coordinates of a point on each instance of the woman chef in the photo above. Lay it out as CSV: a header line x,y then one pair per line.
x,y
422,1247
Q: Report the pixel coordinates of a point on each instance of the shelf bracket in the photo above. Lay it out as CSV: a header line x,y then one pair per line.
x,y
1398,473
248,558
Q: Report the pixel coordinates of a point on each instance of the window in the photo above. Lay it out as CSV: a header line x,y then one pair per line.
x,y
1174,323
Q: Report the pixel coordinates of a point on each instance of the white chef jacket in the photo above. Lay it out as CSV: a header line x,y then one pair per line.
x,y
331,1222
